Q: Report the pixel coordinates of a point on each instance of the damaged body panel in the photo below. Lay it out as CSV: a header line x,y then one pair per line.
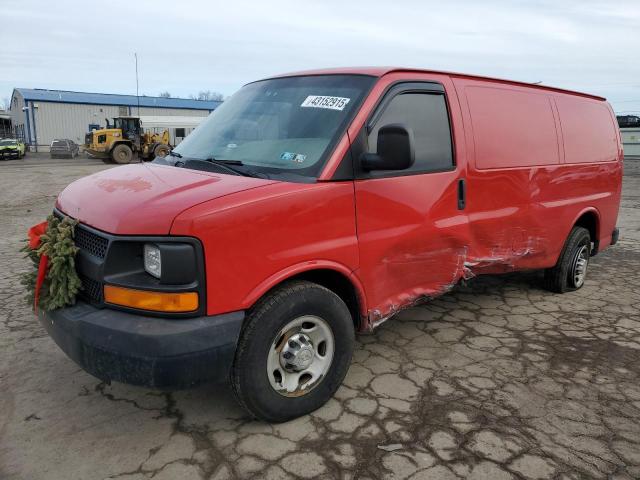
x,y
523,188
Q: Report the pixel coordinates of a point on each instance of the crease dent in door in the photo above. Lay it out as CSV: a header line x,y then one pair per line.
x,y
507,253
419,295
502,258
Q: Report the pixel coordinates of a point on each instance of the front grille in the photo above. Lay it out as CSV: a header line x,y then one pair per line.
x,y
91,289
91,242
94,244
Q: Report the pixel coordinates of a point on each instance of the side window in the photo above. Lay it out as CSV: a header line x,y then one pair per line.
x,y
426,114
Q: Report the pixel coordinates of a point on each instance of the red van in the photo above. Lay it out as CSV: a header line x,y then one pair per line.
x,y
314,205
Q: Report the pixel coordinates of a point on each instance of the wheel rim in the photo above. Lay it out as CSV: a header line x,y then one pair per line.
x,y
300,356
579,266
122,155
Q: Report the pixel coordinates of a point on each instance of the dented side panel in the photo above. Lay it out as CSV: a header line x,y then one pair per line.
x,y
415,244
413,239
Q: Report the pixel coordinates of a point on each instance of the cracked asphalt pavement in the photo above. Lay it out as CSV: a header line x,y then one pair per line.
x,y
496,380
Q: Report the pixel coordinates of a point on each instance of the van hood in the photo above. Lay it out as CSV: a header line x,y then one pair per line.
x,y
144,199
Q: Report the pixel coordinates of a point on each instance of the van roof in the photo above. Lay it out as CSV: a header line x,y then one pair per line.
x,y
380,71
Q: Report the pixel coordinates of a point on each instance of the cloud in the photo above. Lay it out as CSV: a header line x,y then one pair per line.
x,y
188,46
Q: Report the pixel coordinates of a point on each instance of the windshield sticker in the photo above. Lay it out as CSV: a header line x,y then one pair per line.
x,y
323,101
293,157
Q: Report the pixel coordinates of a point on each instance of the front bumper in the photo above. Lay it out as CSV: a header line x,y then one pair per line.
x,y
146,351
9,153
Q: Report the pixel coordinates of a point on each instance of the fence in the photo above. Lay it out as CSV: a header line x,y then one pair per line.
x,y
13,131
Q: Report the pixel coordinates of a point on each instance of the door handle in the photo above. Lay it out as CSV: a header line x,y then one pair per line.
x,y
462,194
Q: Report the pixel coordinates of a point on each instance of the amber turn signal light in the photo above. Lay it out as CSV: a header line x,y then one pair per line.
x,y
154,301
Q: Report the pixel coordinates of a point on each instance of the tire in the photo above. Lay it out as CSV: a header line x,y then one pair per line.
x,y
308,304
161,151
122,154
570,272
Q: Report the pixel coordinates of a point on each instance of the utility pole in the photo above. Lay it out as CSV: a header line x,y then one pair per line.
x,y
137,84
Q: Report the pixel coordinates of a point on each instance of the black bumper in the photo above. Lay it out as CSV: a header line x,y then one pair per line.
x,y
146,351
9,154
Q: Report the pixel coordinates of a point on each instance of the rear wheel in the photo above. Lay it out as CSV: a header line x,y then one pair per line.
x,y
122,153
294,351
161,151
570,272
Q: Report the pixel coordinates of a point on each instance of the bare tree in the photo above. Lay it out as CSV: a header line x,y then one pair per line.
x,y
207,95
164,94
6,103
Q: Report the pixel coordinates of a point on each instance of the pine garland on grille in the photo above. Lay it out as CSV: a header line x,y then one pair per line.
x,y
61,283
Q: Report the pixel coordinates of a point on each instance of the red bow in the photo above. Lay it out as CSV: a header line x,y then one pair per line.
x,y
35,233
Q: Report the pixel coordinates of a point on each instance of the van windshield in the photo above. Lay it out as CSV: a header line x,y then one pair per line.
x,y
284,127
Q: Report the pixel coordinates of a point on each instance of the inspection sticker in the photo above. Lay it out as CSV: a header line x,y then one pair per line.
x,y
323,101
295,157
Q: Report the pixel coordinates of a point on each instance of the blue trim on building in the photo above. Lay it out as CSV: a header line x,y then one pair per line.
x,y
63,96
35,132
26,114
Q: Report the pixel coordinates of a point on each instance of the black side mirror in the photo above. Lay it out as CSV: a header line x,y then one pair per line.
x,y
395,149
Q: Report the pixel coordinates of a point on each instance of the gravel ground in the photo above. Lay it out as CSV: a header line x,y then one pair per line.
x,y
498,379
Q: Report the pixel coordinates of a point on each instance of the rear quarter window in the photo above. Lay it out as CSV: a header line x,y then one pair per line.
x,y
512,128
588,130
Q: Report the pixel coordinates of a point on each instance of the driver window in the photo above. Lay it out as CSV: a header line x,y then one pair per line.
x,y
426,114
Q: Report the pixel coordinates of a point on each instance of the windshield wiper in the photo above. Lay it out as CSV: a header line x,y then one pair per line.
x,y
229,164
174,154
225,162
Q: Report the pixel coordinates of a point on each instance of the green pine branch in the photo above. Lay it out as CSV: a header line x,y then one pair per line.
x,y
61,283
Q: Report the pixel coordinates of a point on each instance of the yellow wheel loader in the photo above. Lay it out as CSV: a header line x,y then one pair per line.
x,y
118,142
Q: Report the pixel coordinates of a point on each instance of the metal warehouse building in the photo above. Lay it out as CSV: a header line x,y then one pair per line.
x,y
631,142
45,115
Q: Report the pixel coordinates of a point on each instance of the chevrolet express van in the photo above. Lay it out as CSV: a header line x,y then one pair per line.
x,y
314,205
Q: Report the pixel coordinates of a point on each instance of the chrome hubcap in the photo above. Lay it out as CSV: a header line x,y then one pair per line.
x,y
580,264
297,353
300,356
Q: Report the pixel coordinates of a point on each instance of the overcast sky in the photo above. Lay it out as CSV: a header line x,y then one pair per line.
x,y
187,46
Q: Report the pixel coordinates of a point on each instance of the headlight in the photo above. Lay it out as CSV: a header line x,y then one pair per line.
x,y
152,260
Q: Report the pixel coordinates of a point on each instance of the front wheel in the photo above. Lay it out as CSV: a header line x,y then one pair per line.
x,y
570,272
122,154
161,151
294,351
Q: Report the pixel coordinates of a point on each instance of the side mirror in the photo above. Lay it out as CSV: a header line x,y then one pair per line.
x,y
395,149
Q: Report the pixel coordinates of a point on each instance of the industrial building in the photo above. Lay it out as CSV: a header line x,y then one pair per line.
x,y
631,142
44,115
